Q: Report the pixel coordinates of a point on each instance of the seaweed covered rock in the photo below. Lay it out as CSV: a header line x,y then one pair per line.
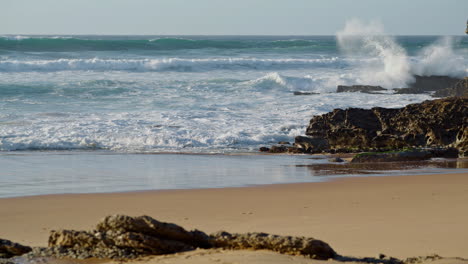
x,y
283,244
10,249
411,155
436,123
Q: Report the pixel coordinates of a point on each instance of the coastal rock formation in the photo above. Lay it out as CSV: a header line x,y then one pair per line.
x,y
425,84
124,237
121,236
10,249
283,244
436,123
359,88
413,155
310,145
458,89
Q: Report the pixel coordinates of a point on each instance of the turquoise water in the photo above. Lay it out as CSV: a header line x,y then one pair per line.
x,y
216,94
81,113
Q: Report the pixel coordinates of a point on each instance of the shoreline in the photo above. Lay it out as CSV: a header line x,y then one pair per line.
x,y
326,179
426,212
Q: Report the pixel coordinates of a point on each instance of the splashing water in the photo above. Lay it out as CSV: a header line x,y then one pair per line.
x,y
390,66
440,58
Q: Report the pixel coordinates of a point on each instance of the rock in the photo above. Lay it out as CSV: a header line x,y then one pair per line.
x,y
359,88
458,89
283,244
124,237
436,123
425,84
336,160
284,143
278,149
149,226
264,149
9,249
311,144
412,155
304,93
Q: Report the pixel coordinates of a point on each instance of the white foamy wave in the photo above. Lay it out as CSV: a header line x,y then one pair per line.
x,y
170,64
307,83
440,58
237,122
392,67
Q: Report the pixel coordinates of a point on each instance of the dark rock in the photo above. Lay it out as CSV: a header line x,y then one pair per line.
x,y
436,123
284,143
295,150
264,149
311,144
10,249
278,149
314,248
425,84
413,155
336,160
444,153
304,93
359,88
458,89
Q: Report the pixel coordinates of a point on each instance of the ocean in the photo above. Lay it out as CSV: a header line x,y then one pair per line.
x,y
195,94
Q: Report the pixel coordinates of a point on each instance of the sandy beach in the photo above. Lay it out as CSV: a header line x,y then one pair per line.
x,y
401,216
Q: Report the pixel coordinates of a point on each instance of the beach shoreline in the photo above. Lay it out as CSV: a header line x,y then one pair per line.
x,y
399,216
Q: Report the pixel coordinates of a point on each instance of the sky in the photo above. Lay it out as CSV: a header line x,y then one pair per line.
x,y
235,17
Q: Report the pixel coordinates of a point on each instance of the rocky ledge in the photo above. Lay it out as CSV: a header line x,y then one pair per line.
x,y
124,237
440,125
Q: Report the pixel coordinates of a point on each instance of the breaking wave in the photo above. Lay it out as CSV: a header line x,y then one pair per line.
x,y
62,43
171,64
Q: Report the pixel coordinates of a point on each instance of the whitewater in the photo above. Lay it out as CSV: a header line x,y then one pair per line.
x,y
200,94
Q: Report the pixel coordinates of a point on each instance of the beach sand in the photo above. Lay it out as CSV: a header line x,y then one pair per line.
x,y
399,216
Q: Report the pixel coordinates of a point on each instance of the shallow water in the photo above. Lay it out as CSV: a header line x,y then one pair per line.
x,y
35,173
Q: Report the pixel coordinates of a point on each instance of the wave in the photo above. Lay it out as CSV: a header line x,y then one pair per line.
x,y
62,43
171,64
307,83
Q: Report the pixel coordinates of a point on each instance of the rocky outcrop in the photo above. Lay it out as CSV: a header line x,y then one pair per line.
x,y
310,145
304,93
425,84
120,236
124,237
359,88
283,244
10,249
458,89
437,123
413,155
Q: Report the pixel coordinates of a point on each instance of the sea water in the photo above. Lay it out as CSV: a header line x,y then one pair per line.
x,y
132,95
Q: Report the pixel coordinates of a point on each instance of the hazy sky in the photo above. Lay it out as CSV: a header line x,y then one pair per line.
x,y
233,17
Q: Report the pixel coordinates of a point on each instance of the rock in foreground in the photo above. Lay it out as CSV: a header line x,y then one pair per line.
x,y
124,237
283,244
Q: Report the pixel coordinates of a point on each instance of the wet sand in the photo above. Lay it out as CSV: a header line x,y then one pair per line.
x,y
400,216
